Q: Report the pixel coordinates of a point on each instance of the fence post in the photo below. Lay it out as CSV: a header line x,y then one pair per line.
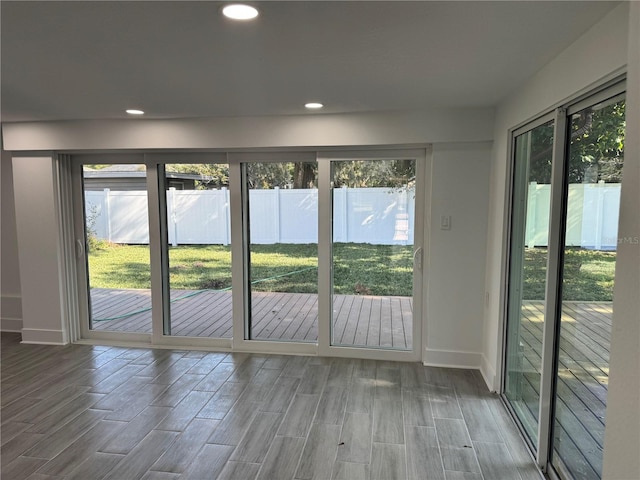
x,y
171,213
532,217
345,213
276,192
411,216
403,215
599,214
224,193
107,209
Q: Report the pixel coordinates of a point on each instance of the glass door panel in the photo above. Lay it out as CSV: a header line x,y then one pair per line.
x,y
117,245
594,171
199,252
372,253
282,251
527,273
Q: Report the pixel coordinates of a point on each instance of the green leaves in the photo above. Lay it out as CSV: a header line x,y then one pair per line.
x,y
596,151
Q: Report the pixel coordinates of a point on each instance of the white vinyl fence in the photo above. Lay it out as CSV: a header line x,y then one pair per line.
x,y
592,216
361,215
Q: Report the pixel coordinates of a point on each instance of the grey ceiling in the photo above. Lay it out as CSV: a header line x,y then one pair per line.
x,y
91,60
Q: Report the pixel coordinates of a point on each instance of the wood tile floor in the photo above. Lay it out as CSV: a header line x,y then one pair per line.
x,y
100,412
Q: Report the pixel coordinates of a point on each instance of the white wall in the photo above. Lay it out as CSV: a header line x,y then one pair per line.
x,y
39,250
11,306
622,434
456,268
601,51
389,128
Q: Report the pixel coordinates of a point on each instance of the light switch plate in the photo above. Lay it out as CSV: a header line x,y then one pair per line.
x,y
445,222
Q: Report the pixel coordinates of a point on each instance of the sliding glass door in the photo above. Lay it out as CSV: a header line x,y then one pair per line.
x,y
294,252
282,251
115,235
198,238
594,168
562,255
373,253
527,273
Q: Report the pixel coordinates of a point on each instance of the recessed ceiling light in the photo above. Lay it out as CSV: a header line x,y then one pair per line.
x,y
135,111
239,11
313,105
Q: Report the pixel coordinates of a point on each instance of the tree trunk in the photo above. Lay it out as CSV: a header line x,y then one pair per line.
x,y
303,175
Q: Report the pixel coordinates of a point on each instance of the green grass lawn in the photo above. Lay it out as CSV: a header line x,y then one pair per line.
x,y
588,275
358,269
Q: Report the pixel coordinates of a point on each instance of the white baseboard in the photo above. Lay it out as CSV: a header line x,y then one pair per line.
x,y
11,313
489,374
10,324
451,359
45,337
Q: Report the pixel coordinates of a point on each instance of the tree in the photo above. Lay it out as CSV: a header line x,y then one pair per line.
x,y
305,175
213,175
358,173
374,173
597,145
596,151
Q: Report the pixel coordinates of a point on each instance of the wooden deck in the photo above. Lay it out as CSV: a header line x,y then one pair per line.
x,y
359,320
582,382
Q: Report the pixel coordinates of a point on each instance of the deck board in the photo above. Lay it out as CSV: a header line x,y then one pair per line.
x,y
362,327
307,330
583,378
359,320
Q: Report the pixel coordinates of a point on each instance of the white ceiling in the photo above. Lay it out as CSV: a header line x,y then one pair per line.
x,y
92,60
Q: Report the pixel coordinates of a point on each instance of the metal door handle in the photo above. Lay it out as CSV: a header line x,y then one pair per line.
x,y
79,249
417,258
